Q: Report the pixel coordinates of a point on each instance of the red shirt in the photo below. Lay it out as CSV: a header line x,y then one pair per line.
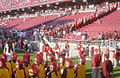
x,y
96,61
51,33
64,28
76,24
115,55
79,47
9,43
58,29
3,42
5,33
44,49
107,51
21,42
56,47
66,46
107,68
107,37
83,59
92,52
47,28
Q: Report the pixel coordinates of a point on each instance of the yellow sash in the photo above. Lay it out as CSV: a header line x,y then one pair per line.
x,y
19,74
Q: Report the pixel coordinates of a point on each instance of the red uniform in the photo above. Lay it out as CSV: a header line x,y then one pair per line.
x,y
45,49
79,47
115,55
3,44
96,61
57,49
21,42
107,68
66,46
92,52
51,33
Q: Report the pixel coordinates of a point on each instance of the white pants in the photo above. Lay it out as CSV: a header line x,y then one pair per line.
x,y
115,62
56,56
44,56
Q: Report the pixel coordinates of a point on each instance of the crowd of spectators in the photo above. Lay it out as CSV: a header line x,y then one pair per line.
x,y
61,30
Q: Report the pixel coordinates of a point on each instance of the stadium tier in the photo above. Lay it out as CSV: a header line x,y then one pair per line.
x,y
8,5
25,23
70,18
36,21
107,24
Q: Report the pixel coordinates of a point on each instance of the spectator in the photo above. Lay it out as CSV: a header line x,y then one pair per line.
x,y
79,33
36,35
67,47
21,44
99,39
103,38
3,43
51,36
74,33
25,45
106,40
92,52
84,37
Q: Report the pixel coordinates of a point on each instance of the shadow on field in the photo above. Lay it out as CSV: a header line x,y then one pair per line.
x,y
117,75
89,75
88,70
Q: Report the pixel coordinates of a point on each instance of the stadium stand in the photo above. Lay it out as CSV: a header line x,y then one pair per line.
x,y
7,5
106,24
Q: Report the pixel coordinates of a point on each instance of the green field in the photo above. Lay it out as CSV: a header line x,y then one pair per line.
x,y
116,71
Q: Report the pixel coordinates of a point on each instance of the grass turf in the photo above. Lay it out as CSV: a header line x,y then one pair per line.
x,y
115,74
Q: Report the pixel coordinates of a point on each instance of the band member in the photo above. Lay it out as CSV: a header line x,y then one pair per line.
x,y
107,68
19,72
8,64
40,65
79,46
57,54
4,73
13,62
45,50
28,57
92,52
67,49
61,64
68,72
54,73
3,44
33,71
115,59
80,68
26,64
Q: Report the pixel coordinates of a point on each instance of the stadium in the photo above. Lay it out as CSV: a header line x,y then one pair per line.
x,y
59,38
